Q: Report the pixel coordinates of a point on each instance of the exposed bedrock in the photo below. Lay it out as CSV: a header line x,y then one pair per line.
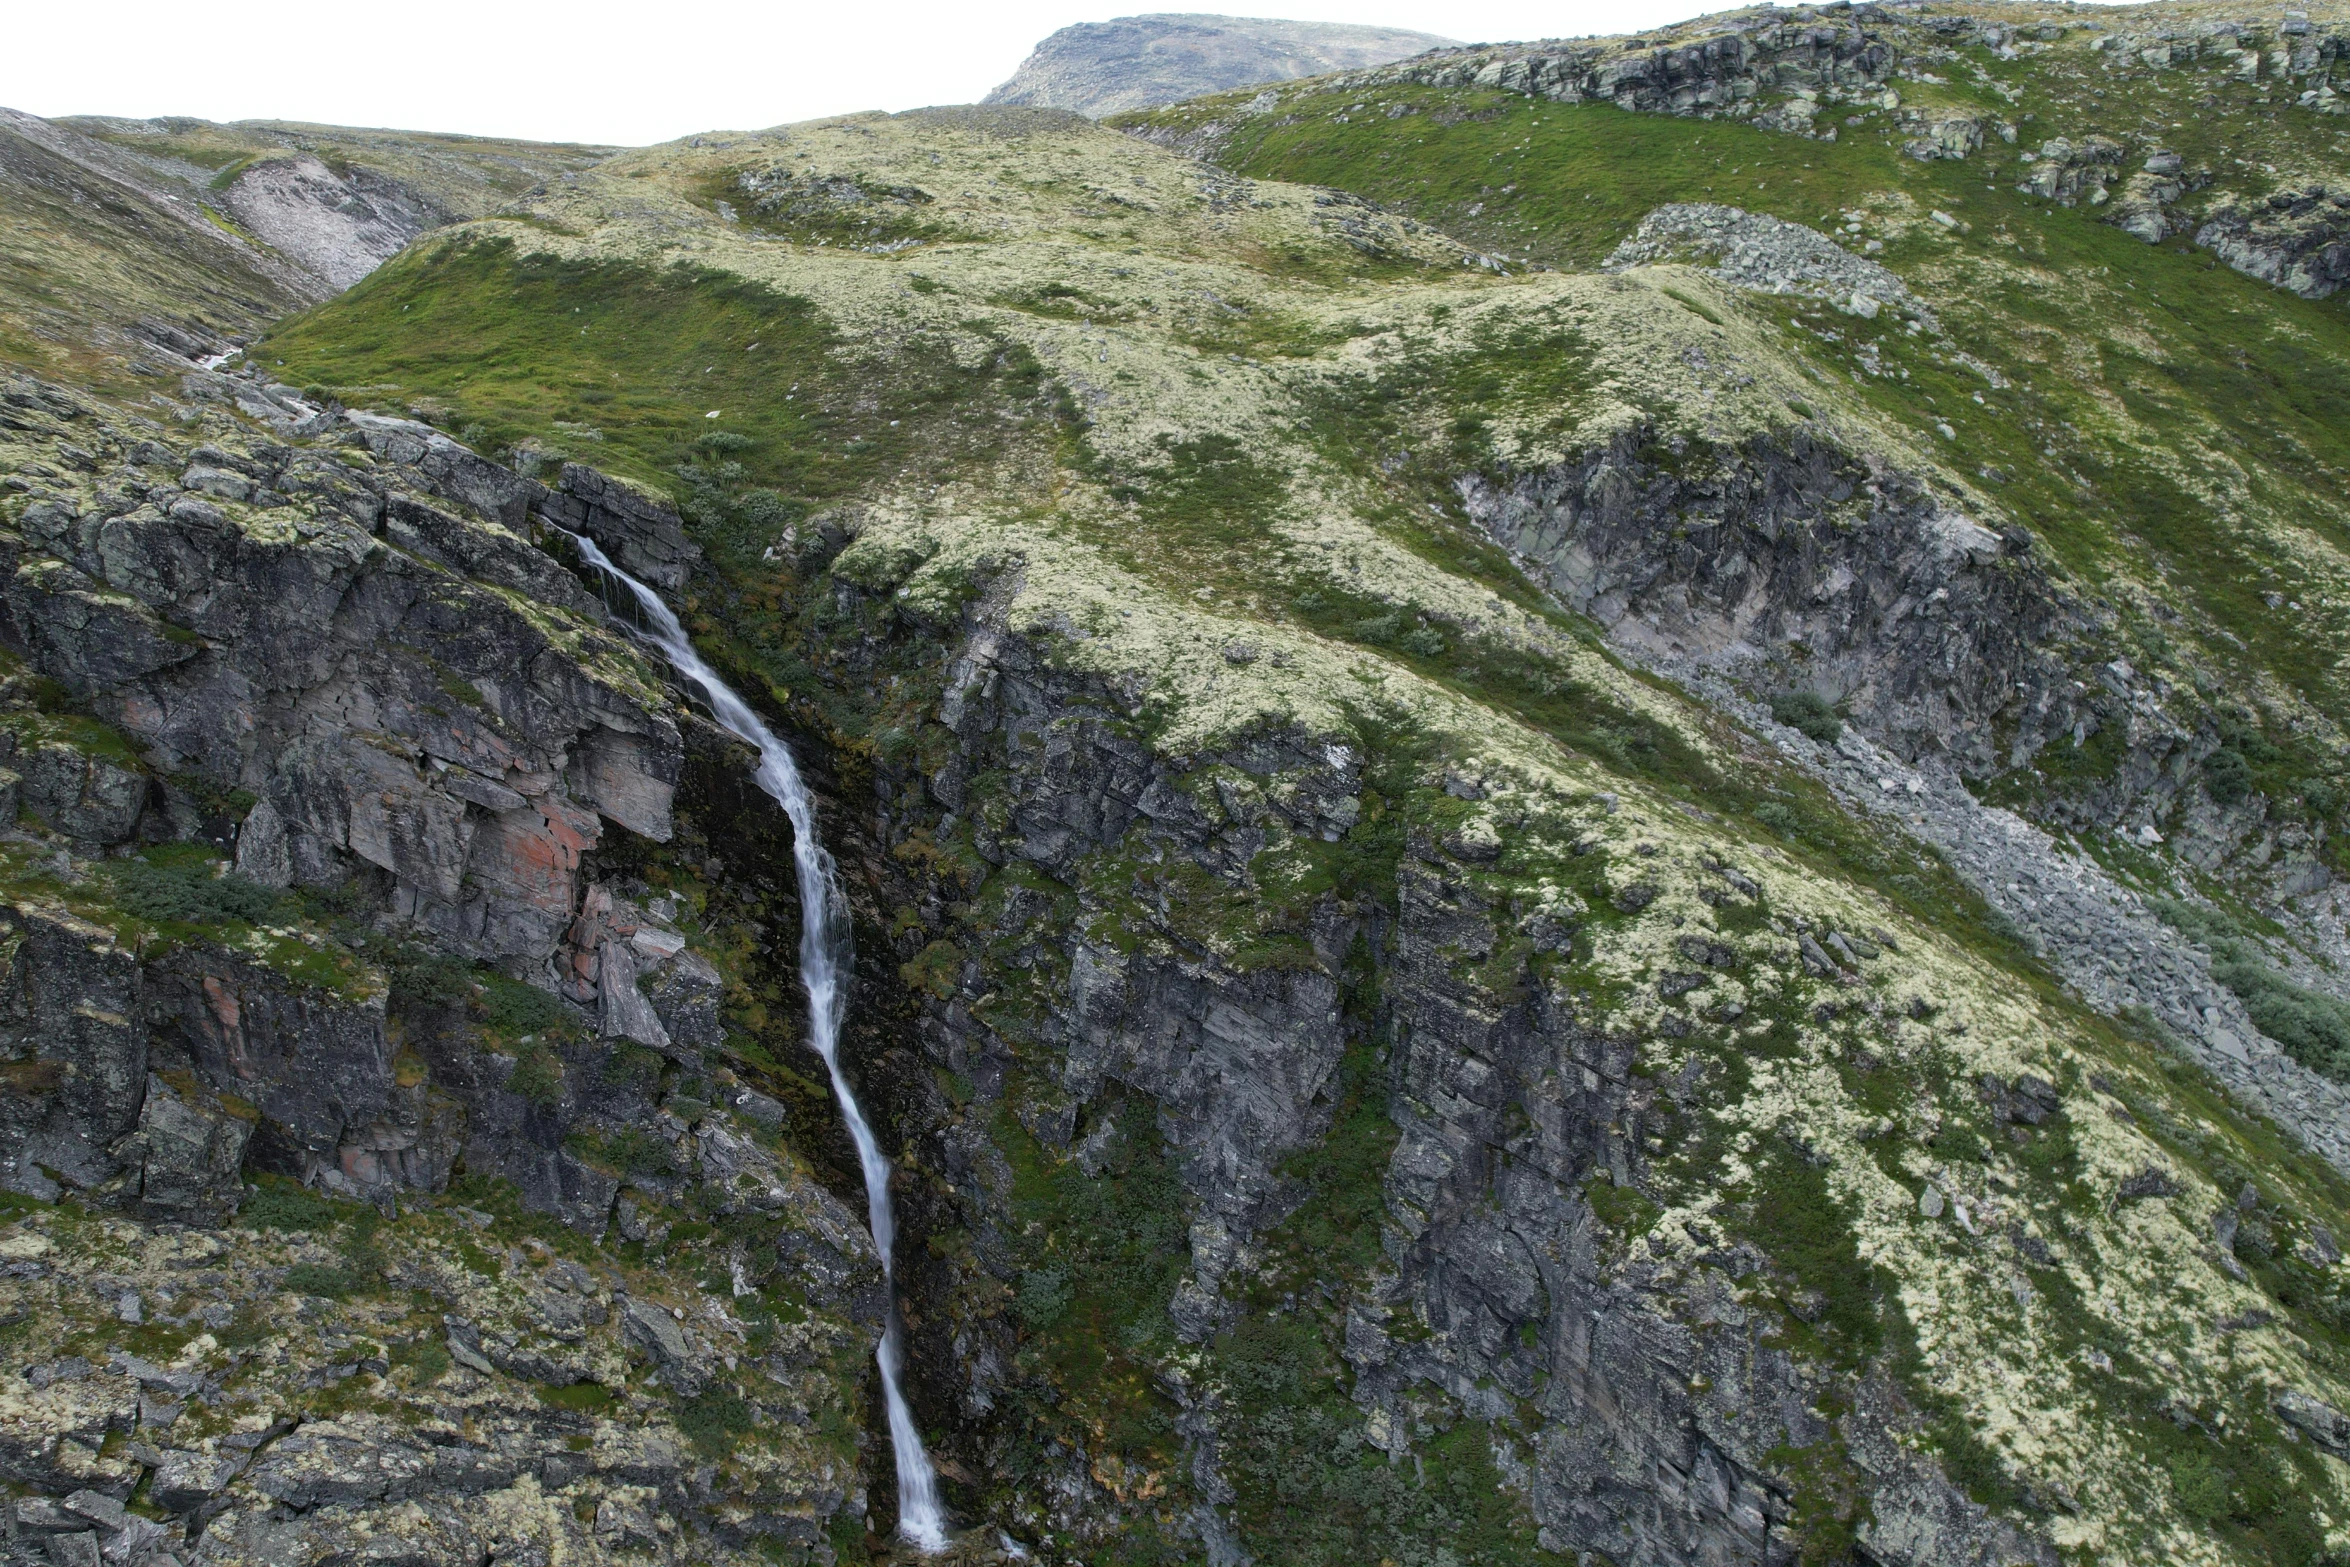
x,y
348,665
1797,560
1498,1286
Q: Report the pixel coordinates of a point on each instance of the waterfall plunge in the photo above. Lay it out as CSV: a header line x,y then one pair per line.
x,y
824,965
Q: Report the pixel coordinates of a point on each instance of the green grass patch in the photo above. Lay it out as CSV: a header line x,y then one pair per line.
x,y
276,1203
514,346
318,1278
588,1398
1830,1291
1099,1260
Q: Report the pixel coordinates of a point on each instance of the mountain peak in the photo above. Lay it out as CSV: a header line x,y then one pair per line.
x,y
1137,62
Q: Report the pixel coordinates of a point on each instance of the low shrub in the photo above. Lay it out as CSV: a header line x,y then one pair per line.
x,y
1808,713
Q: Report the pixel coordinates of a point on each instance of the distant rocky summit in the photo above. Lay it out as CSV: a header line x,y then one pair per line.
x,y
1140,62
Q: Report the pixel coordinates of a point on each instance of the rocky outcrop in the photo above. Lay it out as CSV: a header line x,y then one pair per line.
x,y
1949,135
2068,172
394,682
1771,255
1730,71
2143,208
538,1407
2293,50
362,685
2296,239
644,538
1812,568
1780,70
1138,62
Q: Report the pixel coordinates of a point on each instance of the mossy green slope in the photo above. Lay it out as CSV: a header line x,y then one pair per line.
x,y
1174,426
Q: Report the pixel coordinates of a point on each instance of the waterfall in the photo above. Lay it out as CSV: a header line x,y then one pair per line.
x,y
824,970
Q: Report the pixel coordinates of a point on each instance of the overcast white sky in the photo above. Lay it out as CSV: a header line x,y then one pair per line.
x,y
601,72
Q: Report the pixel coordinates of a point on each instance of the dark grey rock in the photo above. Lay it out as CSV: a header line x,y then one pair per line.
x,y
2321,1422
2297,240
644,538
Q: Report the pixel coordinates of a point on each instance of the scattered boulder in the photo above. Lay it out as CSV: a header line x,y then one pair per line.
x,y
2321,1422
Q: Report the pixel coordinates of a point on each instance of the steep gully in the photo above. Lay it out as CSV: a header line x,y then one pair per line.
x,y
824,965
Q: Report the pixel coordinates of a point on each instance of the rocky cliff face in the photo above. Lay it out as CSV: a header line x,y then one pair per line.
x,y
1927,627
1087,1024
1651,1432
363,743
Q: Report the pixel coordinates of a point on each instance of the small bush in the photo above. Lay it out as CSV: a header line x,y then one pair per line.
x,y
629,1152
1808,713
425,980
427,1357
714,1420
362,1257
2313,1028
766,509
1780,818
192,895
1426,641
512,1008
319,1278
632,1063
1044,1296
537,1076
287,1207
505,1007
2227,777
583,1397
2201,1489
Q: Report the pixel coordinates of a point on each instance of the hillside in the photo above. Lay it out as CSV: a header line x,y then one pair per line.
x,y
122,239
1141,62
1581,826
2055,201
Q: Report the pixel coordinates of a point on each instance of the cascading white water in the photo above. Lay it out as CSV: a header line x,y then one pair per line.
x,y
824,965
